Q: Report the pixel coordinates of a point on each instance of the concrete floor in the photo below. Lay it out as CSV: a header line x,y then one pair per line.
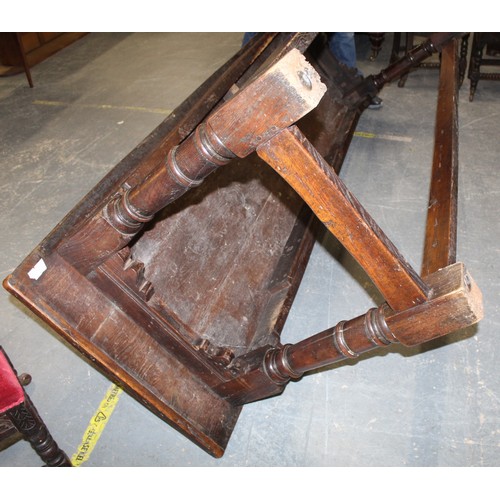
x,y
433,406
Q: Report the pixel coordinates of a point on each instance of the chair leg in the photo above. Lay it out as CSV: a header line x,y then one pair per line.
x,y
408,46
376,41
396,48
26,67
462,65
475,64
17,408
28,422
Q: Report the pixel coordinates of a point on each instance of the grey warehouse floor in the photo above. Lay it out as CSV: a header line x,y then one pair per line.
x,y
437,405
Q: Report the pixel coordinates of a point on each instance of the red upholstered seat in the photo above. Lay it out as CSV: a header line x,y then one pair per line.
x,y
11,392
27,422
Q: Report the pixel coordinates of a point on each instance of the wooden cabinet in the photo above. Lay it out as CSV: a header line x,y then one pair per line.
x,y
21,51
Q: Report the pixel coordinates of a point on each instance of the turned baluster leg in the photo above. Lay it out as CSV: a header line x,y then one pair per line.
x,y
455,303
271,102
415,56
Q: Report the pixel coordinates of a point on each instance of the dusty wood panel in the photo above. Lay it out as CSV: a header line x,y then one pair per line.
x,y
216,249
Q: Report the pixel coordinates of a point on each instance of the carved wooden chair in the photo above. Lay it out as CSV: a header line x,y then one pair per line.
x,y
177,283
479,60
19,418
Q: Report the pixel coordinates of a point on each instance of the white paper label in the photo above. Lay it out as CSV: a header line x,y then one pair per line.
x,y
38,269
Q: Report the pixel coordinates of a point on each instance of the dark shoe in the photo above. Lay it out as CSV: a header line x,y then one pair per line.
x,y
376,103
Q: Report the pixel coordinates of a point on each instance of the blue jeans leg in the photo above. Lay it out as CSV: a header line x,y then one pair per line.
x,y
343,47
247,37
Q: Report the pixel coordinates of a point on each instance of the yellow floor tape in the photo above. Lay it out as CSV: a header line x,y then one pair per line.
x,y
387,137
160,111
96,426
